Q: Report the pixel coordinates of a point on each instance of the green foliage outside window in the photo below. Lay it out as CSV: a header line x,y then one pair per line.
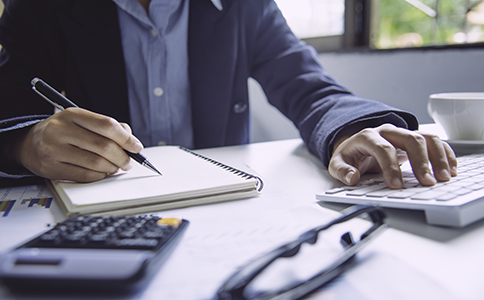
x,y
415,23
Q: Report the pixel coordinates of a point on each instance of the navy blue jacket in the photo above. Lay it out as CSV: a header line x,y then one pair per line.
x,y
75,45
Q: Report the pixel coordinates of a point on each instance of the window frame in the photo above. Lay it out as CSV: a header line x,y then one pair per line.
x,y
357,28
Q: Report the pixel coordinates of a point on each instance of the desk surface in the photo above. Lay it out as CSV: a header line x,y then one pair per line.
x,y
410,260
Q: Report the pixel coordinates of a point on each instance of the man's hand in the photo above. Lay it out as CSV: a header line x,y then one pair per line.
x,y
77,145
384,148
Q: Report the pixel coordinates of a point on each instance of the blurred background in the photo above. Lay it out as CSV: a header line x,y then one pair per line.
x,y
395,51
386,24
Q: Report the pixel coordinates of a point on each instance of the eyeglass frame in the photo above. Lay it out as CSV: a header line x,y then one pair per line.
x,y
234,286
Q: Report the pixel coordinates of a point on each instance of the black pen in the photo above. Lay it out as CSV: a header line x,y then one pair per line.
x,y
60,102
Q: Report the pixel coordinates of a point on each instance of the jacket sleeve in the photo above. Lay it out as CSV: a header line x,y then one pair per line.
x,y
28,50
23,57
298,85
8,129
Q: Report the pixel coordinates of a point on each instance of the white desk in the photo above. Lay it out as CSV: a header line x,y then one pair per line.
x,y
411,260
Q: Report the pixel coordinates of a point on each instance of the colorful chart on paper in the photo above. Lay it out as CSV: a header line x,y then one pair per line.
x,y
35,197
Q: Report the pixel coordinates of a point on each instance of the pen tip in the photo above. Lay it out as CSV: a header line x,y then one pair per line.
x,y
151,167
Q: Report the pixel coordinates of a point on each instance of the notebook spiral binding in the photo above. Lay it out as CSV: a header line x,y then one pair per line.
x,y
260,183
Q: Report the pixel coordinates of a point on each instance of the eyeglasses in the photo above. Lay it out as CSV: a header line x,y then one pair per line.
x,y
234,287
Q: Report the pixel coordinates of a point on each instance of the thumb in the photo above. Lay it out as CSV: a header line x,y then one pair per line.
x,y
344,172
133,142
126,127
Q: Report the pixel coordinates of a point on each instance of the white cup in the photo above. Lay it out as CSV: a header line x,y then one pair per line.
x,y
461,115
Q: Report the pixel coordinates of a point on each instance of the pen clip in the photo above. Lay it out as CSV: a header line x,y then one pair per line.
x,y
58,106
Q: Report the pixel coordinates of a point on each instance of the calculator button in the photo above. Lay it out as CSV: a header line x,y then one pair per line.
x,y
169,221
131,232
99,238
137,243
154,234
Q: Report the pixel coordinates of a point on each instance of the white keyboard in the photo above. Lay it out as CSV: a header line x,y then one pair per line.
x,y
456,203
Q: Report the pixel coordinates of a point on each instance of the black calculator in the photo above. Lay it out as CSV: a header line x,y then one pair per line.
x,y
93,252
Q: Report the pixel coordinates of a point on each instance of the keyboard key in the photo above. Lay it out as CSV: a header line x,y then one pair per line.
x,y
476,186
407,193
365,190
462,191
380,193
335,190
446,197
428,195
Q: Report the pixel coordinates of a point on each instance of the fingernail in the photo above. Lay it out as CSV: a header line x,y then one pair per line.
x,y
397,183
348,177
445,174
138,146
429,179
454,171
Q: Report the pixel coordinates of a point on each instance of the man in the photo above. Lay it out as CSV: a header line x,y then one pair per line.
x,y
176,71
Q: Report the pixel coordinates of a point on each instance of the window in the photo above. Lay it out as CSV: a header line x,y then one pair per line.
x,y
385,24
314,18
416,23
320,23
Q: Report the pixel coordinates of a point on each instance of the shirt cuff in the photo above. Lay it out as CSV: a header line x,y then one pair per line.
x,y
20,122
14,176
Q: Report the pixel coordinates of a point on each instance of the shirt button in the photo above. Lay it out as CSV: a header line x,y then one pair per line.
x,y
240,107
158,91
154,32
161,143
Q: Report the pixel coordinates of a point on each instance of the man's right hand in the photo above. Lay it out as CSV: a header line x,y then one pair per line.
x,y
78,145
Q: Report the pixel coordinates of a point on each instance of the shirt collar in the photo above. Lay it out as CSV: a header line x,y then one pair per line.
x,y
218,4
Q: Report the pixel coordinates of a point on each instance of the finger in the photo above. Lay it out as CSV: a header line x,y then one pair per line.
x,y
416,147
126,127
368,151
58,147
60,132
75,173
87,160
97,152
107,127
42,159
452,159
387,158
439,157
344,172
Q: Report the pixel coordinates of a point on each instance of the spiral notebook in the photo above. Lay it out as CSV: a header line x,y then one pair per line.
x,y
188,179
